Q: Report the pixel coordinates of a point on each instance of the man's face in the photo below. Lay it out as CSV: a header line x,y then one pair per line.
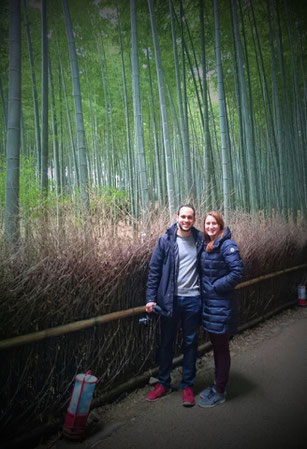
x,y
185,219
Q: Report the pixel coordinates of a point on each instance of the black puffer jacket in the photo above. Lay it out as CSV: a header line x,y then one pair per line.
x,y
221,271
163,268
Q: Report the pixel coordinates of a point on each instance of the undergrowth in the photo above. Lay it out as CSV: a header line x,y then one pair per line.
x,y
83,269
71,269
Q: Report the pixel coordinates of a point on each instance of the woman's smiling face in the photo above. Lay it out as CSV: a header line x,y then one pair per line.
x,y
212,228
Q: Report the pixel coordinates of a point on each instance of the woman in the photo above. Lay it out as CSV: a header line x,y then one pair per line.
x,y
221,271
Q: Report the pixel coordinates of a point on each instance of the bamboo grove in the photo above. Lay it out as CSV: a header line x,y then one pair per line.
x,y
151,103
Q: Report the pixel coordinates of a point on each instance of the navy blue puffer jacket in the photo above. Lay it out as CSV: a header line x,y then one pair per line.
x,y
221,271
163,268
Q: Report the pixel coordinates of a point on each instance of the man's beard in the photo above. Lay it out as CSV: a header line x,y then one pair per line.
x,y
182,229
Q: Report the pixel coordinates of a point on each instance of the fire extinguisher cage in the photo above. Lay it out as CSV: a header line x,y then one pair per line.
x,y
89,372
74,431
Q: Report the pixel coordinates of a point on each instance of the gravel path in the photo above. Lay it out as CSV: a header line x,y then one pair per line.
x,y
266,405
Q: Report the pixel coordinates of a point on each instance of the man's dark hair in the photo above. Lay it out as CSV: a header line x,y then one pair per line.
x,y
186,205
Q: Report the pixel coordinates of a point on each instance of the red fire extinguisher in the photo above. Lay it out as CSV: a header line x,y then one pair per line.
x,y
79,405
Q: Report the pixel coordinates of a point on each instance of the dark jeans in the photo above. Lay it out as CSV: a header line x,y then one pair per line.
x,y
187,312
221,353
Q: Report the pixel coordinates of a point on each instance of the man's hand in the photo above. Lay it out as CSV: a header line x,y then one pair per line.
x,y
149,306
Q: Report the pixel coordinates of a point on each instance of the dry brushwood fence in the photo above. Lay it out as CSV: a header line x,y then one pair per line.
x,y
78,275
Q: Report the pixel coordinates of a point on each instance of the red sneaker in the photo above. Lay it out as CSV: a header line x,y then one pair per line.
x,y
188,397
157,393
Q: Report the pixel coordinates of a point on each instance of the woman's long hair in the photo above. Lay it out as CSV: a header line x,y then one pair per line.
x,y
220,221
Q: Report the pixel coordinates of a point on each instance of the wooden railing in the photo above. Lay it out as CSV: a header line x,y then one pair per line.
x,y
101,319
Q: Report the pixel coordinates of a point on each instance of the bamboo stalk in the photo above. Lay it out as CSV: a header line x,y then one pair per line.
x,y
268,276
91,322
70,327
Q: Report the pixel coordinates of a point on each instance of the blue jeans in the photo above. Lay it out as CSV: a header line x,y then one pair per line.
x,y
187,312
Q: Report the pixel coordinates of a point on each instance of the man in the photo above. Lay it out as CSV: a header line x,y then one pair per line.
x,y
173,285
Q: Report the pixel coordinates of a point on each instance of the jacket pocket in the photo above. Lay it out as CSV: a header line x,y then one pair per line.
x,y
208,287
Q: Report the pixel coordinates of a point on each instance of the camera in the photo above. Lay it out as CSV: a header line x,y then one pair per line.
x,y
146,319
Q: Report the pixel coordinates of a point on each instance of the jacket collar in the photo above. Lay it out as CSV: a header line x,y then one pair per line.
x,y
225,236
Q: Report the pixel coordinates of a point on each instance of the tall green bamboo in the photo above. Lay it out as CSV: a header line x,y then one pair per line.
x,y
189,190
3,104
130,159
250,150
11,213
222,113
277,116
61,158
44,144
107,132
299,127
137,111
96,170
34,89
263,98
302,154
82,161
270,125
165,125
158,169
56,159
72,142
210,183
111,157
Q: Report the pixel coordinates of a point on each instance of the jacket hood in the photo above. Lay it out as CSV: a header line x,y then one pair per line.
x,y
225,236
172,230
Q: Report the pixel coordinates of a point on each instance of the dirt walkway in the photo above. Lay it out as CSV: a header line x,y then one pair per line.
x,y
266,406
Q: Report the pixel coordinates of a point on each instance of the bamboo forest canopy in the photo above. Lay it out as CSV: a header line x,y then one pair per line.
x,y
153,103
